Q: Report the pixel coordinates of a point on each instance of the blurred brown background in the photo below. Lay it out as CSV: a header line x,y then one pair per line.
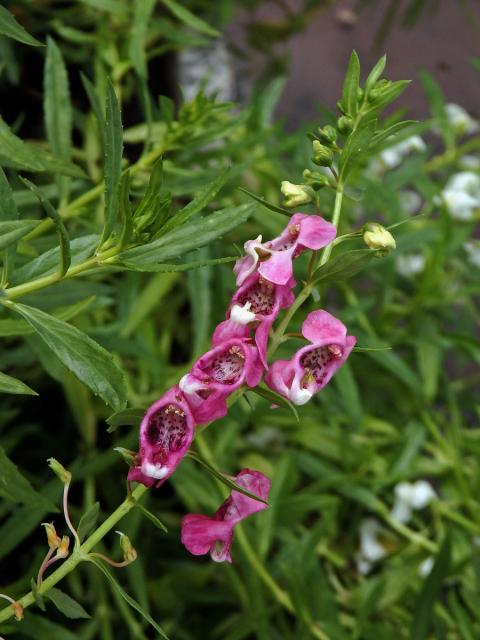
x,y
444,37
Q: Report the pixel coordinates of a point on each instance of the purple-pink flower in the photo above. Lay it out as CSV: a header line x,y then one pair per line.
x,y
215,375
274,259
203,534
256,303
312,366
166,433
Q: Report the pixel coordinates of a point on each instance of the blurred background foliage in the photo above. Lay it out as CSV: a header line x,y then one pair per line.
x,y
404,408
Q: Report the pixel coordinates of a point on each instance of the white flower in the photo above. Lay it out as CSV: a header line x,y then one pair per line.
x,y
409,497
371,550
462,195
394,155
410,201
408,266
425,567
370,547
473,252
460,120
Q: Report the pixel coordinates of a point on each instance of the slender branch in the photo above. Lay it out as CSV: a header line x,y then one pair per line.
x,y
67,515
79,554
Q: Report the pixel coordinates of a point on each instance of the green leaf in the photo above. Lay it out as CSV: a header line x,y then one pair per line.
x,y
276,399
223,478
9,27
154,206
344,266
138,35
66,605
267,205
58,110
153,518
88,521
37,596
390,93
382,136
351,85
95,104
197,204
189,19
86,359
65,255
12,385
127,417
16,488
170,268
375,74
13,230
183,239
128,599
8,211
357,146
425,601
113,160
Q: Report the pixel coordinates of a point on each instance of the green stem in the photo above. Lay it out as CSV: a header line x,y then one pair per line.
x,y
79,554
337,209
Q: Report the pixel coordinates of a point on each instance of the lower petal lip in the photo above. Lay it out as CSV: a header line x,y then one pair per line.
x,y
154,471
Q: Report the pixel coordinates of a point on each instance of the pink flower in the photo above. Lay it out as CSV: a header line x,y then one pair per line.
x,y
202,534
166,433
311,367
274,258
216,374
256,303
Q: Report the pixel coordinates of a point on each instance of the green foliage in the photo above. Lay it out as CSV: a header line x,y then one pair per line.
x,y
119,250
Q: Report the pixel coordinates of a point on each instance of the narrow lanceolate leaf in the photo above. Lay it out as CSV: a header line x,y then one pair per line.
x,y
141,17
12,385
423,615
13,230
58,110
16,488
128,599
9,27
171,268
190,236
88,521
64,241
8,211
189,19
152,517
95,104
128,417
222,477
113,160
197,204
276,399
267,205
375,74
344,266
86,359
66,605
351,85
381,137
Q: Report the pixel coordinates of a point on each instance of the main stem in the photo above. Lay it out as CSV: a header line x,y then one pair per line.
x,y
79,554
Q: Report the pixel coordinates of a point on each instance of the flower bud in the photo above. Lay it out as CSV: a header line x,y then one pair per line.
x,y
377,237
344,124
129,552
327,135
296,194
63,548
52,536
315,179
59,470
128,455
322,155
17,611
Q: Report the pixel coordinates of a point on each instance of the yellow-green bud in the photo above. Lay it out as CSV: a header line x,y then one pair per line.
x,y
316,179
52,536
322,155
296,194
63,548
129,552
328,134
59,470
377,237
344,124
